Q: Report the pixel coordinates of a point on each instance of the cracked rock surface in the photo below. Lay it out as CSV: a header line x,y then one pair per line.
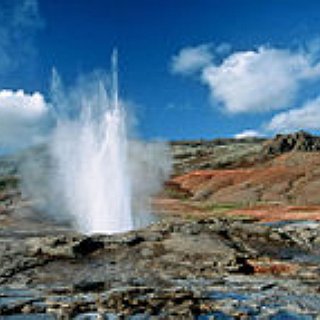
x,y
176,268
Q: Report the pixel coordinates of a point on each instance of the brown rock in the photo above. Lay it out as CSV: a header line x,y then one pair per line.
x,y
268,266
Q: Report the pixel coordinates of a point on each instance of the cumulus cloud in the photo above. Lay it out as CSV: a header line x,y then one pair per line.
x,y
191,59
20,20
262,80
258,80
22,115
306,117
23,118
247,134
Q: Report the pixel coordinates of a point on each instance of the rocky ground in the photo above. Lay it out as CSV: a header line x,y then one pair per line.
x,y
203,259
283,170
176,268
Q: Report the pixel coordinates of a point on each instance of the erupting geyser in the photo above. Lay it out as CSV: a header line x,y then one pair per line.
x,y
88,172
90,152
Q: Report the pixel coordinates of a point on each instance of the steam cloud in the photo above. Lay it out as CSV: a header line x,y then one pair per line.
x,y
149,163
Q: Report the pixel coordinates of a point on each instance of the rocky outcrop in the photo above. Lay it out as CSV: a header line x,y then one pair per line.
x,y
63,246
176,269
298,141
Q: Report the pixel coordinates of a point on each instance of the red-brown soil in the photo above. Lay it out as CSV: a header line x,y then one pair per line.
x,y
263,213
270,213
292,178
274,267
286,187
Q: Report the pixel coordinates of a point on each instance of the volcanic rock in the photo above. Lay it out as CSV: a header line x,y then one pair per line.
x,y
204,258
299,141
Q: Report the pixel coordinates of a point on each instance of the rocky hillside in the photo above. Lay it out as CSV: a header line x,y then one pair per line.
x,y
214,154
285,169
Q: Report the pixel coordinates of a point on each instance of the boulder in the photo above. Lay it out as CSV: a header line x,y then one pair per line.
x,y
298,141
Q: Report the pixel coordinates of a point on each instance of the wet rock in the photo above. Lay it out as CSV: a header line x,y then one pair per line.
x,y
87,246
168,270
305,234
63,246
135,240
89,286
10,305
54,247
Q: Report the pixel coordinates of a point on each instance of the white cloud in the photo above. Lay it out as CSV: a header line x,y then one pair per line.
x,y
262,80
306,117
247,134
191,59
22,118
29,104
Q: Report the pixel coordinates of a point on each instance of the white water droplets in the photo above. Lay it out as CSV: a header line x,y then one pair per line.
x,y
91,155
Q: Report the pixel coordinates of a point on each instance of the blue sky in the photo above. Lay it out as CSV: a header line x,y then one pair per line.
x,y
271,46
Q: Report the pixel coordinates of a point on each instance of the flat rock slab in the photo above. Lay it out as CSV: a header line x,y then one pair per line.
x,y
174,268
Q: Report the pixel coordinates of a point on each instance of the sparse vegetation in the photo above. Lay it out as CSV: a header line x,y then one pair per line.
x,y
222,207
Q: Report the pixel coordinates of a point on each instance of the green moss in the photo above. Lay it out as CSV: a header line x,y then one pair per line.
x,y
222,207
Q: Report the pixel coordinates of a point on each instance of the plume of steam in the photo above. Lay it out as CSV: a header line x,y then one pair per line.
x,y
150,166
149,163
